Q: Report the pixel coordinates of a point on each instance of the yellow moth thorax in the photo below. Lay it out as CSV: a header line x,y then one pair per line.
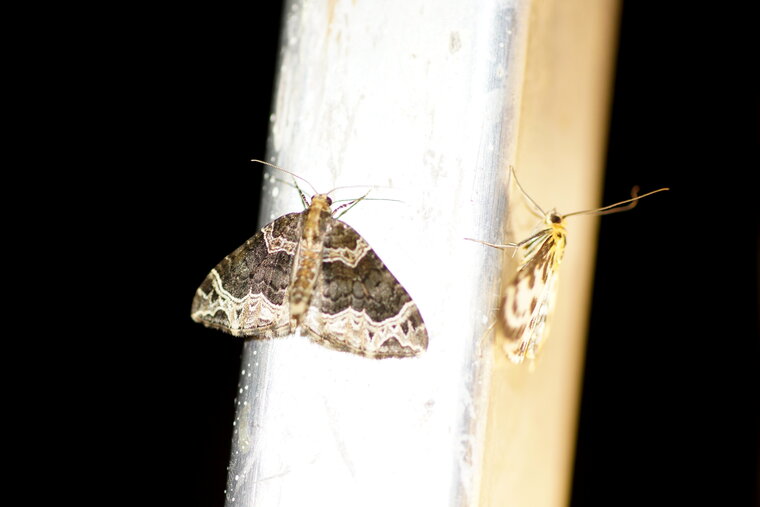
x,y
556,225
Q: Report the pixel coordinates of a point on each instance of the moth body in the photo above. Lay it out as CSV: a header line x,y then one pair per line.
x,y
308,259
528,300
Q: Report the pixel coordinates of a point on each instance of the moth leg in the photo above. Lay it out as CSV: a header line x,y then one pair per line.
x,y
350,204
494,245
511,245
300,193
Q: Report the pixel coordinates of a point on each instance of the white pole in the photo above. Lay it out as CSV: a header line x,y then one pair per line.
x,y
420,98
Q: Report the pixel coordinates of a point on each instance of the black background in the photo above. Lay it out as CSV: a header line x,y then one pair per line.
x,y
156,114
669,412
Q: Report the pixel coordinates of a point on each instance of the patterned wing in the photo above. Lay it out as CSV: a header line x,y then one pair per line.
x,y
358,305
529,298
246,293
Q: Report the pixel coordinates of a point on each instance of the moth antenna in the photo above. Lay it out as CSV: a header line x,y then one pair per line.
x,y
286,171
534,203
606,210
354,186
367,199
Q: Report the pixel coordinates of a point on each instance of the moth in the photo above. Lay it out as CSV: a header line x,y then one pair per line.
x,y
528,300
313,273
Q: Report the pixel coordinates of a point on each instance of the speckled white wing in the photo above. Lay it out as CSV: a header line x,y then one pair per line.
x,y
529,298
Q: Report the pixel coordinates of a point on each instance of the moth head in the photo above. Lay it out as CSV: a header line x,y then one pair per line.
x,y
553,218
322,199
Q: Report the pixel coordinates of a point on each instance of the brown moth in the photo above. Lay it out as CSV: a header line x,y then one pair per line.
x,y
313,273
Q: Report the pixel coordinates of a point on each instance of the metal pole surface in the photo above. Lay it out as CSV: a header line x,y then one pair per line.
x,y
418,98
528,452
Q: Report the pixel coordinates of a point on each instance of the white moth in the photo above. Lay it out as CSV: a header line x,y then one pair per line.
x,y
528,300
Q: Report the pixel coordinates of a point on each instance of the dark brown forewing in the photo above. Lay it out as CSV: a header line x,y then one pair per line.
x,y
358,305
246,293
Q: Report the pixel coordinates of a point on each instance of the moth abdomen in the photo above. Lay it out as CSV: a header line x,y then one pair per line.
x,y
302,287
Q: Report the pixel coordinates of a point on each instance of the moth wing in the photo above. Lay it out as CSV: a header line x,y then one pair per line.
x,y
358,305
529,299
246,294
